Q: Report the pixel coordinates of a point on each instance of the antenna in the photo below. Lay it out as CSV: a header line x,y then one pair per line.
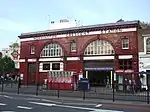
x,y
48,19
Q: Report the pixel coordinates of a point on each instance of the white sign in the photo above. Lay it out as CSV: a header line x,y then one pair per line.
x,y
80,34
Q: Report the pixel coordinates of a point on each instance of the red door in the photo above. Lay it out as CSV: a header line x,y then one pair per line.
x,y
31,73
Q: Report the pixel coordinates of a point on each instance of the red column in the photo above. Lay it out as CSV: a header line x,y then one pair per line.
x,y
116,62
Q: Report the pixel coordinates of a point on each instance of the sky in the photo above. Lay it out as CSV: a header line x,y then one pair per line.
x,y
18,16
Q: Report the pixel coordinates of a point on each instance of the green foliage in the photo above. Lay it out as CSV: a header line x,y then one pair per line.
x,y
1,55
14,45
7,65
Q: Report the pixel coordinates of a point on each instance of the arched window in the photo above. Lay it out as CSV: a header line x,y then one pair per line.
x,y
99,47
51,50
148,46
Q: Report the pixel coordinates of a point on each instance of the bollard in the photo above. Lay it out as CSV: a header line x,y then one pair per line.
x,y
84,95
148,95
2,85
113,92
18,87
113,86
37,89
58,90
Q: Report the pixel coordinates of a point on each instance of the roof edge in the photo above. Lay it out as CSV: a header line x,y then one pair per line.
x,y
82,27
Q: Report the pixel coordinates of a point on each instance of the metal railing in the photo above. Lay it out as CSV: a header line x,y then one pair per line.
x,y
96,91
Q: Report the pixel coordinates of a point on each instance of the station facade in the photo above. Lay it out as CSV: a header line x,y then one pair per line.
x,y
95,52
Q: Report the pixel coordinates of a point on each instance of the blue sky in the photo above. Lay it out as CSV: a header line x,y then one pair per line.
x,y
17,16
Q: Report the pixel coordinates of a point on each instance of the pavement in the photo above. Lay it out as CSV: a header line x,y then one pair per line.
x,y
10,102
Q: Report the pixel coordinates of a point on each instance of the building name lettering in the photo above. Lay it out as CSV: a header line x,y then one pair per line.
x,y
77,34
85,33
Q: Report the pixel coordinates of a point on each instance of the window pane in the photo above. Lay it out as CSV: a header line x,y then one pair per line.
x,y
99,47
32,49
46,66
148,45
125,43
51,50
125,64
73,47
55,66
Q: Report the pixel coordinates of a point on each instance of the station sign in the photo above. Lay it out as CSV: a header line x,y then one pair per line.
x,y
70,34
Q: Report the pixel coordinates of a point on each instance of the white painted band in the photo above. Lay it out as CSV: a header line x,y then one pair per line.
x,y
99,58
125,57
73,58
89,33
51,59
22,60
31,60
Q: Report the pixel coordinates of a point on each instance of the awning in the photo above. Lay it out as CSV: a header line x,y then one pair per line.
x,y
142,72
128,71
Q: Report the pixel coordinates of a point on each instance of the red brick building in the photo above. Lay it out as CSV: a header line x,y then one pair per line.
x,y
97,51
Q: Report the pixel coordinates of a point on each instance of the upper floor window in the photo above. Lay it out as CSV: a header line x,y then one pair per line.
x,y
125,64
51,50
32,50
125,43
73,46
148,46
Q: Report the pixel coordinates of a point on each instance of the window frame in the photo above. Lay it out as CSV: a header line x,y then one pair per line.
x,y
52,50
53,64
32,49
99,47
127,43
73,46
147,42
125,64
46,64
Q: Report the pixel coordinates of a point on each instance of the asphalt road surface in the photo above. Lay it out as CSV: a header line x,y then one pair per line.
x,y
15,103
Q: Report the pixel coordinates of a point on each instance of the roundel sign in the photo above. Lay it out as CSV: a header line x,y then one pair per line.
x,y
15,54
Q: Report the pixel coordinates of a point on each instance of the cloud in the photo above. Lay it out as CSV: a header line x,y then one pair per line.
x,y
13,26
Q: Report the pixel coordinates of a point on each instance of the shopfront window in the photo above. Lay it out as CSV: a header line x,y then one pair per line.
x,y
125,64
99,47
51,50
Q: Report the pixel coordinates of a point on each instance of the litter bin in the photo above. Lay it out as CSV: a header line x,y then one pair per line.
x,y
83,84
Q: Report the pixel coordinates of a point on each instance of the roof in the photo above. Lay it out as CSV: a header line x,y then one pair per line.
x,y
121,24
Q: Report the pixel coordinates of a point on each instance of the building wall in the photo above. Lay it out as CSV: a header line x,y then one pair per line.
x,y
82,41
144,58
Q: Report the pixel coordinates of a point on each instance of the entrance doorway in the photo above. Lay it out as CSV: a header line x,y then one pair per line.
x,y
99,78
99,72
31,76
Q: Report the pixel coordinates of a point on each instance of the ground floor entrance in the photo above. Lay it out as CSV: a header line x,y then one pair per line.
x,y
99,73
99,78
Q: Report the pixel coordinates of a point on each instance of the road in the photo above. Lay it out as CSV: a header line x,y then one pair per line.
x,y
18,103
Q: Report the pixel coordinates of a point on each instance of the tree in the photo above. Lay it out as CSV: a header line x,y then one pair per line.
x,y
14,45
7,65
1,55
